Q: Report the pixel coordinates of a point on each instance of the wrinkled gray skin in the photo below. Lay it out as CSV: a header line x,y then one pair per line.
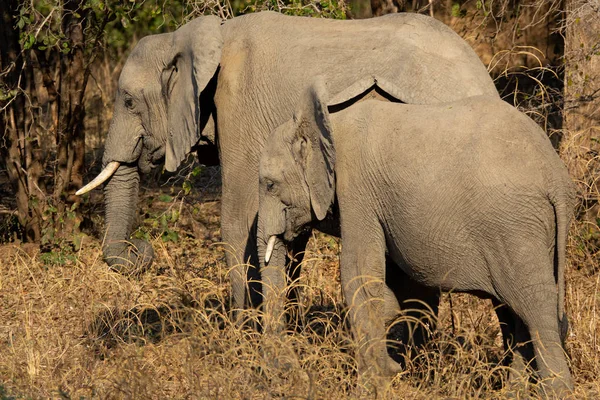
x,y
467,196
210,84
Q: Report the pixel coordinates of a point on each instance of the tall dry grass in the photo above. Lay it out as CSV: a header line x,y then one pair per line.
x,y
72,328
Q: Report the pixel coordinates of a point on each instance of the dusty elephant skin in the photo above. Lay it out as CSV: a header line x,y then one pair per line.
x,y
466,196
229,84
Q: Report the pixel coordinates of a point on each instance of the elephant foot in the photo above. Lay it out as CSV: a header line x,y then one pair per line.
x,y
373,385
277,354
555,387
518,373
519,384
129,258
375,377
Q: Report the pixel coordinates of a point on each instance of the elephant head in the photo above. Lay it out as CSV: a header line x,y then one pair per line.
x,y
297,178
158,113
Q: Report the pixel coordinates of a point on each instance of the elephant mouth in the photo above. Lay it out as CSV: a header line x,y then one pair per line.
x,y
151,161
287,237
293,233
297,222
152,156
290,224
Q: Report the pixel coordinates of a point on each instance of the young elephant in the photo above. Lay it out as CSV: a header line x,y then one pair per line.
x,y
466,196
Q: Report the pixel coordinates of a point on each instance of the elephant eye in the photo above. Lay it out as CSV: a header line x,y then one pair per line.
x,y
129,103
270,186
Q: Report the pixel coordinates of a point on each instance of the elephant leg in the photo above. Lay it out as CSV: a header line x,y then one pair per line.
x,y
244,275
419,306
533,298
363,283
238,231
550,358
251,273
294,269
517,343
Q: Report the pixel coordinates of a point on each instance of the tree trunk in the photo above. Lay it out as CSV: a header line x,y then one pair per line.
x,y
70,137
581,141
17,126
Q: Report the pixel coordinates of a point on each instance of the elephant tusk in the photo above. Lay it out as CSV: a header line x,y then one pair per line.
x,y
270,246
102,177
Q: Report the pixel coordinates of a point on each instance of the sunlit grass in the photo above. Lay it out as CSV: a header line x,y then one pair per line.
x,y
81,330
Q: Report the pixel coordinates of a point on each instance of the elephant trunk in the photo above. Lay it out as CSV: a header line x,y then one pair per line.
x,y
272,258
121,196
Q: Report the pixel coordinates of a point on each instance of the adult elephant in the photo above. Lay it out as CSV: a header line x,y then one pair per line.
x,y
226,85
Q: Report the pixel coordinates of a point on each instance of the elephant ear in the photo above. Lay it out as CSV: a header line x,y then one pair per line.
x,y
196,49
315,146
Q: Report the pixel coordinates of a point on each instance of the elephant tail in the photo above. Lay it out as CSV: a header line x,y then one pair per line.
x,y
562,213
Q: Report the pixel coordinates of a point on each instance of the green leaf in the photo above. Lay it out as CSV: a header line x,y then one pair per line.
x,y
197,171
165,198
29,42
187,187
170,236
7,95
457,11
141,235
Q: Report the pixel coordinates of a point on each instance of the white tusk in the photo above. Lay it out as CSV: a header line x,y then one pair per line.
x,y
270,246
102,177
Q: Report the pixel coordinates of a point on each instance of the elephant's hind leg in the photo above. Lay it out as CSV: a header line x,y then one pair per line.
x,y
517,344
531,293
419,309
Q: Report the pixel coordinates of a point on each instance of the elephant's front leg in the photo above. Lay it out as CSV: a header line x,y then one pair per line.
x,y
238,231
297,252
363,284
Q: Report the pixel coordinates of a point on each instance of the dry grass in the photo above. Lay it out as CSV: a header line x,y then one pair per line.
x,y
76,329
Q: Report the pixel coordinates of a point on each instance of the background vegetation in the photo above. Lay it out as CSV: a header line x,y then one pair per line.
x,y
70,327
